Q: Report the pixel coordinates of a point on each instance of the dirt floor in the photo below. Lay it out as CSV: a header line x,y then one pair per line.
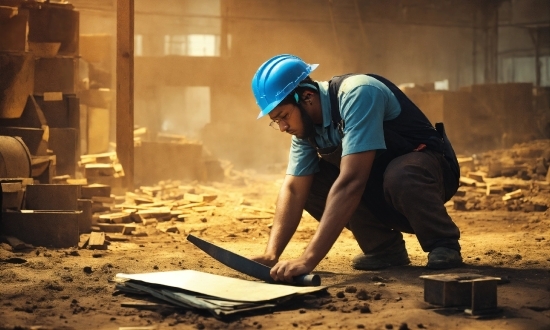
x,y
43,288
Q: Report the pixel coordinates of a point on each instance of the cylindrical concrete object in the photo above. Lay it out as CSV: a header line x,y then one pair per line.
x,y
15,158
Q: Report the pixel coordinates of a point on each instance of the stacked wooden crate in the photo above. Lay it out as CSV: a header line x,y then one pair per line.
x,y
39,75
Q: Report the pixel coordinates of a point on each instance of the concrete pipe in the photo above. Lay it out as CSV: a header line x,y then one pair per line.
x,y
15,158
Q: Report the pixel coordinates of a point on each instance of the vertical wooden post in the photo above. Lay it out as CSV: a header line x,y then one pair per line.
x,y
125,89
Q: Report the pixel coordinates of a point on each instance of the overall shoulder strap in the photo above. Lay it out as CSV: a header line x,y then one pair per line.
x,y
333,88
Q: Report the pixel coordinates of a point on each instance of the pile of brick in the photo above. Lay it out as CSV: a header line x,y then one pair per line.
x,y
103,169
515,179
147,209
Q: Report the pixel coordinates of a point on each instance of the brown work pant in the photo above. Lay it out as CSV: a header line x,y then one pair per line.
x,y
407,196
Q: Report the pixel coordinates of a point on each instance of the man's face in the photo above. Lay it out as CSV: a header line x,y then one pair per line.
x,y
286,118
292,120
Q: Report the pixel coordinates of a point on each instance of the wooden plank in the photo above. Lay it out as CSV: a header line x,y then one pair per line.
x,y
96,239
193,198
125,89
253,217
17,244
258,209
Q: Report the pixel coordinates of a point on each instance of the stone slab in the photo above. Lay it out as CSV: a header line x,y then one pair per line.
x,y
57,229
52,197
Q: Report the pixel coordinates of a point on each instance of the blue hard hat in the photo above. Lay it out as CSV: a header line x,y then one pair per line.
x,y
277,78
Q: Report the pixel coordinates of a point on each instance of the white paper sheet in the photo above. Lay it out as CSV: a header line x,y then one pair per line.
x,y
221,286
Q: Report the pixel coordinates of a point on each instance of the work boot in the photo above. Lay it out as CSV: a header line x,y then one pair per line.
x,y
384,259
444,258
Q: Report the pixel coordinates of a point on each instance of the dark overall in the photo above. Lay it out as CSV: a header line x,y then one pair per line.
x,y
408,184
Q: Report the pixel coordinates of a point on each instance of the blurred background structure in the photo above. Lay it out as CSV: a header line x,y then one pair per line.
x,y
480,66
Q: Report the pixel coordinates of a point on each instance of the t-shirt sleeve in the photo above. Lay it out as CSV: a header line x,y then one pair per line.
x,y
362,108
302,158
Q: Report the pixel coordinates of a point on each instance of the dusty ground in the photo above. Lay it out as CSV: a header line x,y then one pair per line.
x,y
71,288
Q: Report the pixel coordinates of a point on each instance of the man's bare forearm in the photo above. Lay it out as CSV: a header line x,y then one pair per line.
x,y
290,205
342,201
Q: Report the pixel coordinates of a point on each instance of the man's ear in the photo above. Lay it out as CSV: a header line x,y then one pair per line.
x,y
306,95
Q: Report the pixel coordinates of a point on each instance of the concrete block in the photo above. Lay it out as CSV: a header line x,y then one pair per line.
x,y
55,23
52,197
469,290
55,74
64,144
12,195
57,229
85,221
60,112
94,190
32,116
13,29
17,81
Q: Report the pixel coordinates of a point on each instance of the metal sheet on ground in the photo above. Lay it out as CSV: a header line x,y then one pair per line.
x,y
222,287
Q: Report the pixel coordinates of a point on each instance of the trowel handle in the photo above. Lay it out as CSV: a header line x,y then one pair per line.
x,y
308,280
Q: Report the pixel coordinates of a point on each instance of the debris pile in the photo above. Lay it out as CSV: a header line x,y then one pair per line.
x,y
515,179
102,168
170,207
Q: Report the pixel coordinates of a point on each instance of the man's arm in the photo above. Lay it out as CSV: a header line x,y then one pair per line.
x,y
290,205
342,201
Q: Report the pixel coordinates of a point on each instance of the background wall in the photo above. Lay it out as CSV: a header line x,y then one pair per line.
x,y
408,41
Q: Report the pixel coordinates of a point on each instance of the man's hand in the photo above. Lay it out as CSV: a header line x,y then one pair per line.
x,y
285,270
264,259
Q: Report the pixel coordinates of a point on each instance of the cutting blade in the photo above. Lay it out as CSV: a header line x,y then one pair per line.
x,y
245,265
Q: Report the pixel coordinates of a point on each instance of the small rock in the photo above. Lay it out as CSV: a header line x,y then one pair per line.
x,y
340,294
88,270
364,309
378,279
352,289
389,326
362,295
377,296
155,267
420,326
302,311
403,326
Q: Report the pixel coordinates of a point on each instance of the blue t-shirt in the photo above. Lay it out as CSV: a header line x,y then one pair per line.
x,y
365,103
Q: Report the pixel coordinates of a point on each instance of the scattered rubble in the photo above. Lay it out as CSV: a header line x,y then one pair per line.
x,y
515,179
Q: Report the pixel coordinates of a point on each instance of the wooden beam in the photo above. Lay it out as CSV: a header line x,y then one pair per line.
x,y
125,89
